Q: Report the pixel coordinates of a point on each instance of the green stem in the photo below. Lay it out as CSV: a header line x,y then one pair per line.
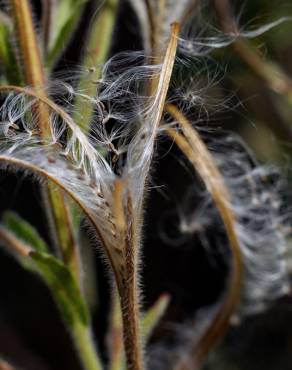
x,y
84,343
96,54
117,358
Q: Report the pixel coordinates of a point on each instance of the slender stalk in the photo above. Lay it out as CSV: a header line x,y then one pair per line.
x,y
84,343
131,321
35,76
96,54
30,54
127,283
129,229
47,17
198,155
116,335
28,43
129,294
66,236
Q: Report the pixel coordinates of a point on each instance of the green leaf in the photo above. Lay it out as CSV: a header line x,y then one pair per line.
x,y
4,45
154,314
7,57
66,17
64,288
24,231
25,244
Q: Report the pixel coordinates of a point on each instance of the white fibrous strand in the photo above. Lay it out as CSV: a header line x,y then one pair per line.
x,y
205,37
200,32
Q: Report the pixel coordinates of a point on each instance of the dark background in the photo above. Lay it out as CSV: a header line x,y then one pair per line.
x,y
31,333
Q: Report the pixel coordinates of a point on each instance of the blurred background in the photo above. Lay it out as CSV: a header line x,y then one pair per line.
x,y
253,87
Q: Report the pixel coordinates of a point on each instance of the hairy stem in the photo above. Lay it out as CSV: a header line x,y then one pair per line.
x,y
129,296
127,284
129,228
131,318
31,59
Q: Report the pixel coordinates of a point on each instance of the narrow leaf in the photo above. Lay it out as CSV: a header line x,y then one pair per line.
x,y
7,55
65,19
24,231
154,314
57,276
63,286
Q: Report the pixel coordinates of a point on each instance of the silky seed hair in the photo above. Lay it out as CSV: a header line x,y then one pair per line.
x,y
262,222
83,164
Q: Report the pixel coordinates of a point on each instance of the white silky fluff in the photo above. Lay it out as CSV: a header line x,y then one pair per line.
x,y
201,36
133,136
209,38
85,165
262,223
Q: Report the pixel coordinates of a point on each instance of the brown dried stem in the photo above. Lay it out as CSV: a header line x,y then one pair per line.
x,y
197,153
127,286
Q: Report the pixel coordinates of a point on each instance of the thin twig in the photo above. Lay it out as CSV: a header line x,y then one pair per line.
x,y
197,153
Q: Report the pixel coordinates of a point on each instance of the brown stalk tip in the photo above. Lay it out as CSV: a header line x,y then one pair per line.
x,y
119,213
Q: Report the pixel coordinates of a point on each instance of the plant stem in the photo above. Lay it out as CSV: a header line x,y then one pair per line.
x,y
95,56
117,358
199,156
84,343
131,321
33,70
127,276
129,229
